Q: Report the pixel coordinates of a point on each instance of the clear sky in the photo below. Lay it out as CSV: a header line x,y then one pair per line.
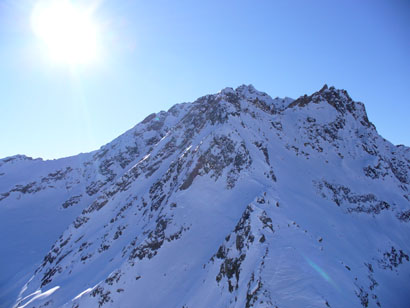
x,y
154,54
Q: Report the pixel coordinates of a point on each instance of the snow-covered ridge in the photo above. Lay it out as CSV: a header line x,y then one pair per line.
x,y
234,200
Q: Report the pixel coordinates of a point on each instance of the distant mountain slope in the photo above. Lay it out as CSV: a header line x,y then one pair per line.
x,y
234,200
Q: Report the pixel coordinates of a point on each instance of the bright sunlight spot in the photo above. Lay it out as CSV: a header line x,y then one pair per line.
x,y
67,30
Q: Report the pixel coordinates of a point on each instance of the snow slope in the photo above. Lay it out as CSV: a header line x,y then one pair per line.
x,y
234,200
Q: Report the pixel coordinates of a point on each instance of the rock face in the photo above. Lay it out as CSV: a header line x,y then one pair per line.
x,y
234,200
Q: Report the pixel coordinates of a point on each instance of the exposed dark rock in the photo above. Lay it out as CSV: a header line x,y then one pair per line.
x,y
71,201
342,195
392,259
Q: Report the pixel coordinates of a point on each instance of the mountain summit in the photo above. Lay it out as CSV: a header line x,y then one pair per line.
x,y
234,200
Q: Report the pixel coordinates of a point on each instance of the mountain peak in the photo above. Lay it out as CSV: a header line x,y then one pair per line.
x,y
229,189
227,90
339,99
328,94
246,88
242,90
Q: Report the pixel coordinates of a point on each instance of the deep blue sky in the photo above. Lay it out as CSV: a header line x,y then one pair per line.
x,y
159,53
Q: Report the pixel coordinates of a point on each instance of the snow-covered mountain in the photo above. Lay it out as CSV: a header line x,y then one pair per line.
x,y
234,200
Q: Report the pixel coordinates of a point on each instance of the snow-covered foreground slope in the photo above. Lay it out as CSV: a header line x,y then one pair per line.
x,y
235,200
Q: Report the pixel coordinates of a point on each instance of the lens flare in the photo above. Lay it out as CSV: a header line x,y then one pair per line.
x,y
318,269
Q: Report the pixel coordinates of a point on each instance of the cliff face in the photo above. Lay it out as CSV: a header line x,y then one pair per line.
x,y
234,200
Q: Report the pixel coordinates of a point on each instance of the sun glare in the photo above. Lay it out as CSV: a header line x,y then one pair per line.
x,y
68,31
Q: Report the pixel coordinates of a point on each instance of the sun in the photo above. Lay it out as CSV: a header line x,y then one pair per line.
x,y
68,31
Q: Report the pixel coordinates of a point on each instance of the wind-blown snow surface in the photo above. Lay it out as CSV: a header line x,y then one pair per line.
x,y
234,200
